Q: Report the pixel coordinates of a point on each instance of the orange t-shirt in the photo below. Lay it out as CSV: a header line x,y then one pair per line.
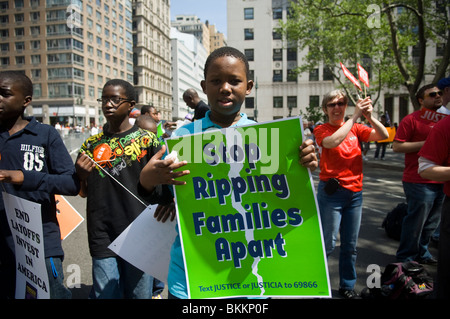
x,y
343,162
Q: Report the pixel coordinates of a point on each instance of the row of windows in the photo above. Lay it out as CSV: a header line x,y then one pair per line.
x,y
277,13
278,102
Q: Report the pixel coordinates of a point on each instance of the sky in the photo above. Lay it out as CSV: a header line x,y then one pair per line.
x,y
215,11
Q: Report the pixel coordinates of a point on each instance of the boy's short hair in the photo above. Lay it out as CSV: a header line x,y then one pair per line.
x,y
227,51
332,95
21,79
127,86
421,92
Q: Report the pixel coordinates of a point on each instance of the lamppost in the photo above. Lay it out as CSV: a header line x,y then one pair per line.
x,y
255,111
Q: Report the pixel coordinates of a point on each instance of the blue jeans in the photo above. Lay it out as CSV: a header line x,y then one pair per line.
x,y
114,278
342,212
56,279
424,209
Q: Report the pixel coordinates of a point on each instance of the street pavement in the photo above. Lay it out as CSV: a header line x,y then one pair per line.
x,y
382,192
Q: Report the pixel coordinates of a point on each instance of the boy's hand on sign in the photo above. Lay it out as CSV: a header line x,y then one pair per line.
x,y
308,156
163,212
13,177
158,171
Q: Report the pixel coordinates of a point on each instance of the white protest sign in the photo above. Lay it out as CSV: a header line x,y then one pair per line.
x,y
146,244
24,219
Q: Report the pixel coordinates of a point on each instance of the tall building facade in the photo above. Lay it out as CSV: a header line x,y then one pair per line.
x,y
193,25
152,54
217,38
69,49
188,61
278,92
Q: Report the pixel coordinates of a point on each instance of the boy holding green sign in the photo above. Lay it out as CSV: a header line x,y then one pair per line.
x,y
226,84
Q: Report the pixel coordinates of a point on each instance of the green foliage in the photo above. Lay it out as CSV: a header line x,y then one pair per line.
x,y
354,32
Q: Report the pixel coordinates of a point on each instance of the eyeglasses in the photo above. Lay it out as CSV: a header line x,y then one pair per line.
x,y
340,104
434,94
114,100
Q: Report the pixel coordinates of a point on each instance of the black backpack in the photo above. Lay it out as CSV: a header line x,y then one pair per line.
x,y
392,223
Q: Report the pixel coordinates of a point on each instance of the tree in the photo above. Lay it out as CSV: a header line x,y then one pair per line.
x,y
388,38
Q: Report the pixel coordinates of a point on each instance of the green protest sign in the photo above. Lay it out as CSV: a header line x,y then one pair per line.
x,y
248,215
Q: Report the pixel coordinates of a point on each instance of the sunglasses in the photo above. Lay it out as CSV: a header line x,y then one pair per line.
x,y
434,94
340,104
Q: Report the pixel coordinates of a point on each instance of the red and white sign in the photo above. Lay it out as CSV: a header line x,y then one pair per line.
x,y
350,76
363,75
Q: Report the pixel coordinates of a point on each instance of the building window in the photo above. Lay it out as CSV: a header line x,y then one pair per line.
x,y
250,54
278,102
291,75
4,61
277,54
314,75
292,102
249,102
327,75
292,54
276,34
277,75
248,13
249,34
277,13
314,101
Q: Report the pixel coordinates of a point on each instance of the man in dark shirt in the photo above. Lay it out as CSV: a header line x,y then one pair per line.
x,y
190,96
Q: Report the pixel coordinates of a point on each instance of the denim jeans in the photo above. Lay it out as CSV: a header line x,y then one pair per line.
x,y
424,209
442,285
342,212
114,278
56,279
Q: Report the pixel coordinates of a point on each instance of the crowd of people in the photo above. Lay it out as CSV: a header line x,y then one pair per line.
x,y
123,169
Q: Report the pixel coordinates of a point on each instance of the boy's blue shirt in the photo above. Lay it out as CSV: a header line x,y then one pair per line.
x,y
39,152
177,273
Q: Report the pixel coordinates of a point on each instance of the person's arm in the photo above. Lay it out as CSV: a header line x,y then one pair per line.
x,y
84,166
407,147
339,136
436,173
379,131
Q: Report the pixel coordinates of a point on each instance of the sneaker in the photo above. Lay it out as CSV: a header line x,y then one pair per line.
x,y
428,261
348,294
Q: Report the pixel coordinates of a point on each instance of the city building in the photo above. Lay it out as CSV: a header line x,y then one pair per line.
x,y
69,49
188,61
217,38
193,25
278,92
152,55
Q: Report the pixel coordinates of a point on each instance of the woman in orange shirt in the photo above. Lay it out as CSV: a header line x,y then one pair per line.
x,y
340,188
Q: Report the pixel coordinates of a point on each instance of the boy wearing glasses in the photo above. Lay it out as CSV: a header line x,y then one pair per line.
x,y
424,197
108,166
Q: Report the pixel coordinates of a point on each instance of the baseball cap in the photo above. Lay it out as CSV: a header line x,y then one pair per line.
x,y
443,83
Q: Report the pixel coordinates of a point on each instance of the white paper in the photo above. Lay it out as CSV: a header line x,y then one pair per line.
x,y
146,244
25,222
